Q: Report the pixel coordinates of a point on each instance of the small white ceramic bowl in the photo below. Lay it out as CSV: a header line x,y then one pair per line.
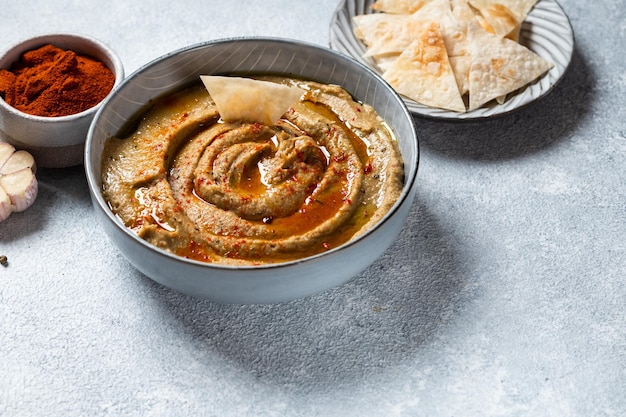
x,y
266,283
55,142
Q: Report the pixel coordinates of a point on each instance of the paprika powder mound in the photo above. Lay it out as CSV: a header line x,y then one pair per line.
x,y
52,82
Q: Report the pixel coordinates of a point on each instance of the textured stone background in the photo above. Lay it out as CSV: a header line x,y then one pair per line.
x,y
504,295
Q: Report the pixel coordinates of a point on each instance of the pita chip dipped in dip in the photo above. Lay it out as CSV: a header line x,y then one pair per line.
x,y
253,170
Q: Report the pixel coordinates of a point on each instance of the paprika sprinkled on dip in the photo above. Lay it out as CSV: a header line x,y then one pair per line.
x,y
239,192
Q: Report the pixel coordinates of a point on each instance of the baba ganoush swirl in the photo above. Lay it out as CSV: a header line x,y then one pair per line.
x,y
247,193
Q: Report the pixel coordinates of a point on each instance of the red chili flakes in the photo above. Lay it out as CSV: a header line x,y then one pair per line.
x,y
195,251
367,169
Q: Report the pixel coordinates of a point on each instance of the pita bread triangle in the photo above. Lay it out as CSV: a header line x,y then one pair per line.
x,y
389,34
459,55
250,100
460,67
384,61
400,38
399,6
423,73
462,11
519,7
383,33
499,66
498,16
452,32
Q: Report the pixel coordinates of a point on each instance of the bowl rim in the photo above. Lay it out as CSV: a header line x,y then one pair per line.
x,y
32,42
410,175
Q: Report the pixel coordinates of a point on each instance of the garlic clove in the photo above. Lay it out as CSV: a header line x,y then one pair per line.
x,y
17,161
6,208
6,150
21,186
18,184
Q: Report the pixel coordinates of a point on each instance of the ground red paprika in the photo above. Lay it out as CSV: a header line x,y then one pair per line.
x,y
50,81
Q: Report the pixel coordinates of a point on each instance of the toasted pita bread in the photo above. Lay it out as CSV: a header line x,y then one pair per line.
x,y
514,34
388,33
392,33
453,33
249,100
399,6
423,73
462,12
498,17
484,68
385,61
377,28
520,8
461,68
499,66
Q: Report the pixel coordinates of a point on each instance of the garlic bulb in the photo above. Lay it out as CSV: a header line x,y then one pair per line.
x,y
18,184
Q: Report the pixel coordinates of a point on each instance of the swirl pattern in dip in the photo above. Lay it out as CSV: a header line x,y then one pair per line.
x,y
248,193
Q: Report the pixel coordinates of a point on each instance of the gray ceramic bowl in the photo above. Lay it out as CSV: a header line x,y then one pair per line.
x,y
256,284
55,142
